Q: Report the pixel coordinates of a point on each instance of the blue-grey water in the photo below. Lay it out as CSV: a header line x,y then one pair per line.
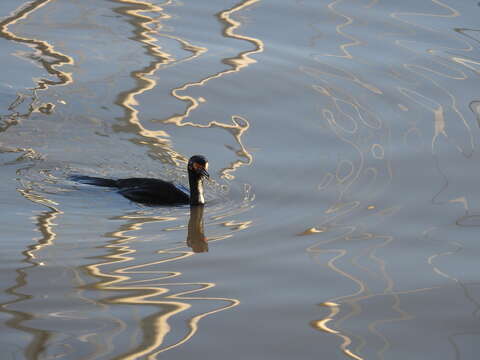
x,y
343,213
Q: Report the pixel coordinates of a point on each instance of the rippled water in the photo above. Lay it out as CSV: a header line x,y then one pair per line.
x,y
343,214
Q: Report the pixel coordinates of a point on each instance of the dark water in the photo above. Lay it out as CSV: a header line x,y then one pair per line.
x,y
344,210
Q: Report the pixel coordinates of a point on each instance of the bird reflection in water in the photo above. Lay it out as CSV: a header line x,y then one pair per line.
x,y
196,239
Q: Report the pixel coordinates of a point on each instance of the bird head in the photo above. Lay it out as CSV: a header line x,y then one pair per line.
x,y
198,164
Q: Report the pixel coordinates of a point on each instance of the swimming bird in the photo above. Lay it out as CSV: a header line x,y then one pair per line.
x,y
156,191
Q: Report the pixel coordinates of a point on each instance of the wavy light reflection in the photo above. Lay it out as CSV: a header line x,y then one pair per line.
x,y
159,142
45,55
44,49
239,124
359,182
44,223
145,28
158,289
238,63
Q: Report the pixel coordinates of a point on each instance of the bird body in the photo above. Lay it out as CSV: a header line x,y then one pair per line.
x,y
157,191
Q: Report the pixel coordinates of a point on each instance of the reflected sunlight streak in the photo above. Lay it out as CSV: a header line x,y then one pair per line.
x,y
155,327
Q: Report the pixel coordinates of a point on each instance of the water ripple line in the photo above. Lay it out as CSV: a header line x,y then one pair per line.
x,y
45,49
44,223
239,125
155,290
145,29
237,63
45,55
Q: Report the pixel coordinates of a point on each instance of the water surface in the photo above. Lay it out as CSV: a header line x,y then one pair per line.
x,y
342,219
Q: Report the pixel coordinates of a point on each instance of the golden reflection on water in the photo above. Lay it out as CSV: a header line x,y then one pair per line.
x,y
49,59
44,49
364,170
159,141
438,71
239,124
44,223
45,55
323,326
156,327
45,341
157,290
145,27
238,63
119,273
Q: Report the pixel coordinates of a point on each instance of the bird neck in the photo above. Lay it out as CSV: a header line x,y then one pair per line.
x,y
196,189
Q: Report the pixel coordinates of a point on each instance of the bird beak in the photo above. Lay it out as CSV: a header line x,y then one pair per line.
x,y
203,173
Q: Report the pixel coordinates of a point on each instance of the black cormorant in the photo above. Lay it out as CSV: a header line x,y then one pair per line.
x,y
158,192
